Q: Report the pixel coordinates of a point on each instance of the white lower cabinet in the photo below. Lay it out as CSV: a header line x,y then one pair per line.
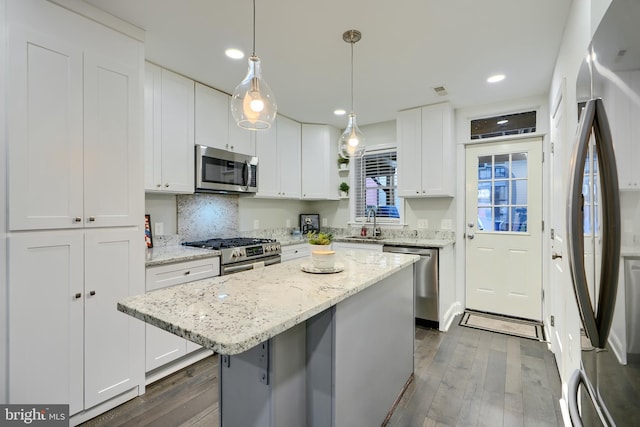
x,y
292,252
68,344
163,347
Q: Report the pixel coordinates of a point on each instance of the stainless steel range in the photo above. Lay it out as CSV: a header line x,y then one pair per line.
x,y
242,253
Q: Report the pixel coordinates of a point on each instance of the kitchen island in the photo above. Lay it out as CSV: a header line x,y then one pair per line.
x,y
298,348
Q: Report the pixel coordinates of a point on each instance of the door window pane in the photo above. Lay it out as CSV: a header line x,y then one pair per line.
x,y
503,192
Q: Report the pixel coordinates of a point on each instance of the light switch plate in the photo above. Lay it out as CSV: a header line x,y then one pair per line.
x,y
324,222
288,223
256,224
446,224
423,223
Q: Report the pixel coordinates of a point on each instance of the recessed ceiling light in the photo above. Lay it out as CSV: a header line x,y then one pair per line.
x,y
234,53
496,78
339,112
502,122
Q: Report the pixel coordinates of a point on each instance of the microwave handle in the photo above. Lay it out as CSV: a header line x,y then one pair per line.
x,y
247,165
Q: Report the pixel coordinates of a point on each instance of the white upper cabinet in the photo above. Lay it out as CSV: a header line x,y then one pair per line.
x,y
240,140
625,129
74,111
278,151
426,152
169,136
215,126
212,117
319,162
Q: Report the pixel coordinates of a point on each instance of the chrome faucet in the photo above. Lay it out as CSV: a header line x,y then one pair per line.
x,y
376,230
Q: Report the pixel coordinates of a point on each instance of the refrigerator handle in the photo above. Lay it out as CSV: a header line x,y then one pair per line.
x,y
575,224
610,226
596,325
574,384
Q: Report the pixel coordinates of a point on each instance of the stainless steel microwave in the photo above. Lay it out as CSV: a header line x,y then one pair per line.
x,y
220,171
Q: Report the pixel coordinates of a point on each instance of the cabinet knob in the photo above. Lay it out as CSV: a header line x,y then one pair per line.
x,y
186,273
166,185
77,219
158,185
92,219
77,295
92,293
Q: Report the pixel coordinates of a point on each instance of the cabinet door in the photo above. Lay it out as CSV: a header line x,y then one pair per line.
x,y
152,128
289,134
409,134
113,179
240,140
211,117
114,342
269,165
177,124
319,168
44,130
46,318
438,178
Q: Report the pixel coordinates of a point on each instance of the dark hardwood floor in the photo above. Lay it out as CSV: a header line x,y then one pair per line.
x,y
464,377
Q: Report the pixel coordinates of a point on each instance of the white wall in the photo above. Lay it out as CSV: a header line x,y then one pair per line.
x,y
4,343
162,208
272,213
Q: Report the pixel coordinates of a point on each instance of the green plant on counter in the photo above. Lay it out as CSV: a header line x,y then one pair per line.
x,y
319,238
344,187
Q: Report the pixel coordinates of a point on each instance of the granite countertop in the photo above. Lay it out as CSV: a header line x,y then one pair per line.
x,y
176,253
231,314
396,241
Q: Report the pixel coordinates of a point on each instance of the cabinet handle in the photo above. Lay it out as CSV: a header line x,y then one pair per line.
x,y
166,185
158,185
186,273
92,219
92,293
77,295
77,219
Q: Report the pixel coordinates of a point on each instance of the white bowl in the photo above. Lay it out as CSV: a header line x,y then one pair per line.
x,y
323,259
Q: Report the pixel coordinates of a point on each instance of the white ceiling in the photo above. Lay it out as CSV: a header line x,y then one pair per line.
x,y
407,48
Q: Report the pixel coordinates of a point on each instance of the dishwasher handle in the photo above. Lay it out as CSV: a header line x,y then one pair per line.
x,y
424,252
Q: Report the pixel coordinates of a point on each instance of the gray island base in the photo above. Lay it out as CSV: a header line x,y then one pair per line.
x,y
299,349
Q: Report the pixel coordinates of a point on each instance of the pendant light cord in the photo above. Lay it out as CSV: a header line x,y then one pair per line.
x,y
352,43
254,28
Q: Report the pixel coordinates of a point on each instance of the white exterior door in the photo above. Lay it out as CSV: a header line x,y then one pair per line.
x,y
504,228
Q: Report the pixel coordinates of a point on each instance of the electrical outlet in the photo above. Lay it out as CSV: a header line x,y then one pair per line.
x,y
256,224
288,223
423,223
446,224
159,228
324,222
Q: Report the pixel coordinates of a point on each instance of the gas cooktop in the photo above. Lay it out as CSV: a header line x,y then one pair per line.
x,y
235,242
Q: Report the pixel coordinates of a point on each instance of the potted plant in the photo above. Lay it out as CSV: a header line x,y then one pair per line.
x,y
343,163
319,241
344,189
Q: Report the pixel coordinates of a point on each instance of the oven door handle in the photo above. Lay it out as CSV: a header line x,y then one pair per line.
x,y
251,265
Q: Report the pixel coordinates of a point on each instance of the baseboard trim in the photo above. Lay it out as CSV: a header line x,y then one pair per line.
x,y
176,365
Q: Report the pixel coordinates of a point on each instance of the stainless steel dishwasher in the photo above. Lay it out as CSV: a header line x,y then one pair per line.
x,y
425,281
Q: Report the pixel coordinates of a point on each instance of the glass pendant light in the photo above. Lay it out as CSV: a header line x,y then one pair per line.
x,y
351,138
253,106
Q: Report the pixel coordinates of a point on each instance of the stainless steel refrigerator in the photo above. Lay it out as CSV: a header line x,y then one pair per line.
x,y
606,388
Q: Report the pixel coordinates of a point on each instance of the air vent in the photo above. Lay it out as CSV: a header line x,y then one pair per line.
x,y
440,90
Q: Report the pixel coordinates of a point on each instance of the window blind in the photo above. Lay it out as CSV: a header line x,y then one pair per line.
x,y
376,185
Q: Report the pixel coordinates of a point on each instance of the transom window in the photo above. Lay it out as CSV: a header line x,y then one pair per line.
x,y
376,185
506,124
502,192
